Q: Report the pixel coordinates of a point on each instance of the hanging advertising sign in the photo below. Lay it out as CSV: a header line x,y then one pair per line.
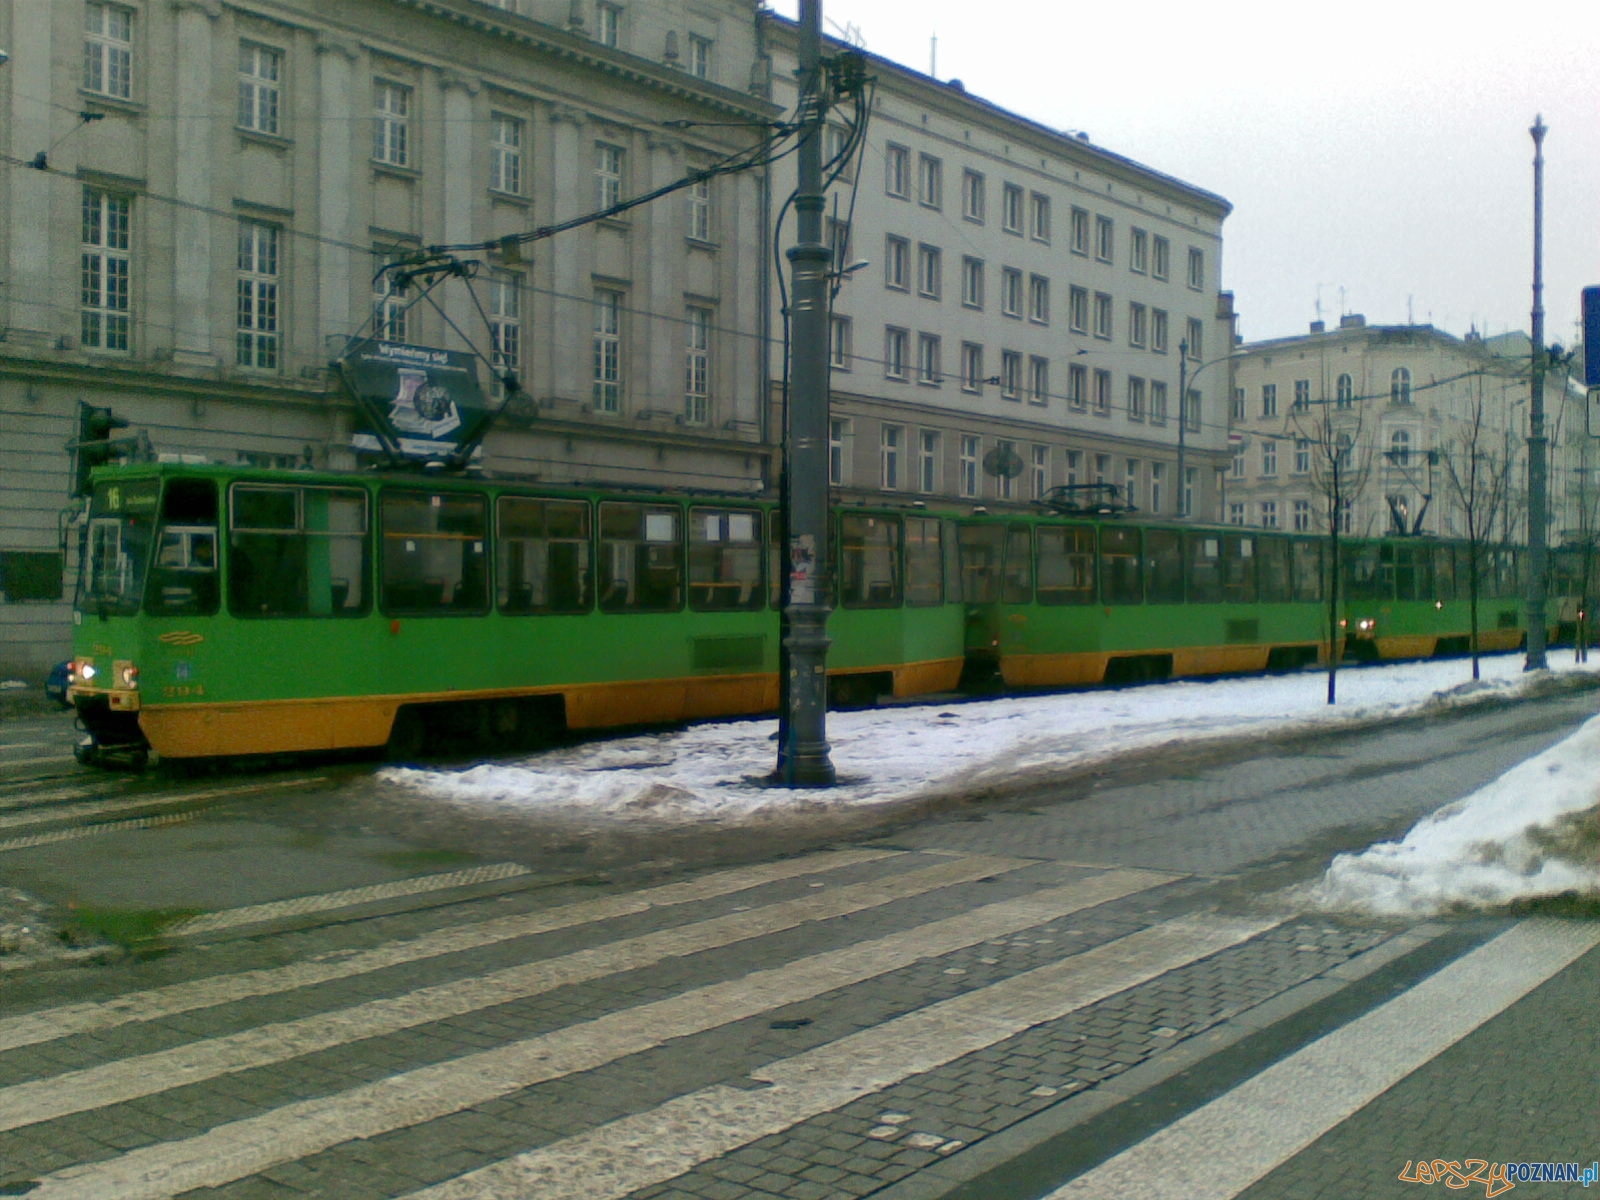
x,y
416,402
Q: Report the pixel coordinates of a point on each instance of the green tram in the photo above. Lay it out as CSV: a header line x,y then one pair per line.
x,y
1060,601
229,611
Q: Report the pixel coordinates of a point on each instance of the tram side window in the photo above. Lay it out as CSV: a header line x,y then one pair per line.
x,y
1019,565
1066,564
724,559
1239,569
1362,578
869,561
1163,566
297,552
1307,555
542,556
1203,568
183,573
1272,570
1120,560
924,561
435,559
641,558
979,549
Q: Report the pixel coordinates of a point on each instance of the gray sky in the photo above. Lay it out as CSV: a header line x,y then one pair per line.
x,y
1376,154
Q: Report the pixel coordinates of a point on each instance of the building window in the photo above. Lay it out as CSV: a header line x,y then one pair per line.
x,y
1302,395
1010,375
607,350
1345,392
1197,332
1158,330
839,343
1138,325
1077,386
1186,491
1041,472
928,461
1131,486
1078,309
1158,472
1039,208
897,263
930,181
609,162
972,282
391,123
1006,459
1039,299
1073,458
1158,402
1400,448
972,195
838,451
699,57
389,308
896,349
1236,406
1011,209
697,365
700,211
1138,251
1160,257
1135,398
1302,456
1236,464
1102,315
260,76
1102,468
1302,516
1038,379
1010,292
929,271
971,367
1269,458
505,154
1235,513
505,325
1269,514
928,371
1269,399
890,440
897,171
1105,238
1197,268
108,50
1400,386
257,336
837,234
1102,393
967,465
608,25
1080,231
106,266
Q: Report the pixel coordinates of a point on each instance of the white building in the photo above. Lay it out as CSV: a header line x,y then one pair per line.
x,y
1017,324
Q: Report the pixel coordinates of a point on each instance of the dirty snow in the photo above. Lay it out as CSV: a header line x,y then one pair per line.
x,y
1474,851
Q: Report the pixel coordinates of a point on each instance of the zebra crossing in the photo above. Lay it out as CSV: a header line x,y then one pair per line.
x,y
653,1042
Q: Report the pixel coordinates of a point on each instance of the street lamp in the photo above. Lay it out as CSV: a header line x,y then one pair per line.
x,y
1184,380
1538,462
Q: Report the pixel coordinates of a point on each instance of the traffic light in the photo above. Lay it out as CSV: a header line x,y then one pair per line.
x,y
94,445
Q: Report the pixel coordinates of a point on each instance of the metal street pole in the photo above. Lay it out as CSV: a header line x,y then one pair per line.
x,y
803,746
1538,455
1183,423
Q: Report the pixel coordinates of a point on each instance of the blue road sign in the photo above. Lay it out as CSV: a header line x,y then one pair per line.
x,y
1591,336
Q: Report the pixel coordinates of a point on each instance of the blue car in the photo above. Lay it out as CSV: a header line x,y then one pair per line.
x,y
55,685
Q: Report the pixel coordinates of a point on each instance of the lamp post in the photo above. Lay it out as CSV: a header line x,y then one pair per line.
x,y
1184,380
1538,460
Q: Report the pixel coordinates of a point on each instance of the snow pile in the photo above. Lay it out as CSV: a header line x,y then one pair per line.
x,y
1528,834
713,772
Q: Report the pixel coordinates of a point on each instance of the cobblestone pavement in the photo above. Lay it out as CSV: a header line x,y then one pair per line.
x,y
980,1008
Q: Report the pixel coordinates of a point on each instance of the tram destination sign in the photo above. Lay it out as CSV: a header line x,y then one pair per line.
x,y
417,403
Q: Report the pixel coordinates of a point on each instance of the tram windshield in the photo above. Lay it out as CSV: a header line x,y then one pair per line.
x,y
122,517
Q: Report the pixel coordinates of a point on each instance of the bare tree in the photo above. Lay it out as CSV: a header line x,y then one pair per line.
x,y
1478,474
1341,465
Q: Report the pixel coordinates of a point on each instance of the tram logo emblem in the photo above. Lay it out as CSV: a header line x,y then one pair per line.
x,y
181,637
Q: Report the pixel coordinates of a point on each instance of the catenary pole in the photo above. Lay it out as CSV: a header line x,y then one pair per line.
x,y
1538,455
803,746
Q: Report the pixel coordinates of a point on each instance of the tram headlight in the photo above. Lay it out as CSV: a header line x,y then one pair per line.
x,y
127,676
85,671
1366,625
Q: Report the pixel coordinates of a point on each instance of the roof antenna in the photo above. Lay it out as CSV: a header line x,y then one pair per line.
x,y
933,57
